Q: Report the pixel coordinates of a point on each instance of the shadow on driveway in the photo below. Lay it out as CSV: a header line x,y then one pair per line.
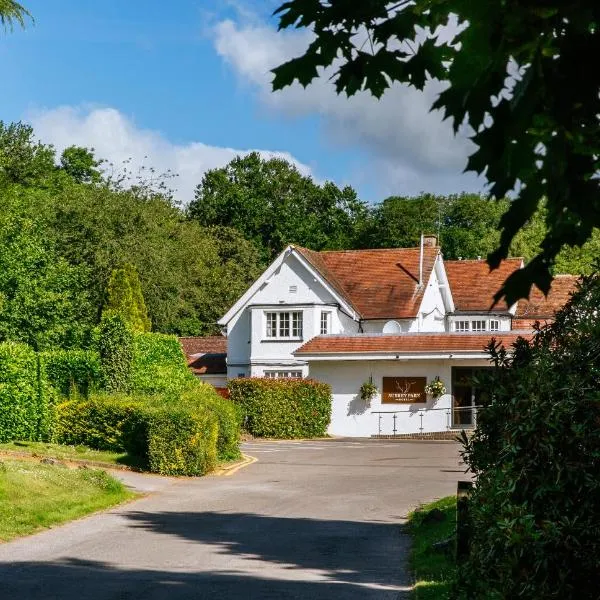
x,y
230,556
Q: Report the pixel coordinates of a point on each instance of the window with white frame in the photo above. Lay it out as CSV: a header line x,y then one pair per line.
x,y
461,325
325,322
283,374
478,325
284,325
494,325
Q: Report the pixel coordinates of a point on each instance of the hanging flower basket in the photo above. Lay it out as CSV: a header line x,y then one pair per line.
x,y
368,390
435,388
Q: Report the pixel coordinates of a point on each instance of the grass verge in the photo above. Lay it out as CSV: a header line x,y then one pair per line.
x,y
434,569
34,496
62,452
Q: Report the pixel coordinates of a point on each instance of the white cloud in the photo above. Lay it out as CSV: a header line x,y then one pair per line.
x,y
116,139
412,148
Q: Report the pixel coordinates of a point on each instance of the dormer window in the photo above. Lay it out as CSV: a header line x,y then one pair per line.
x,y
461,326
478,325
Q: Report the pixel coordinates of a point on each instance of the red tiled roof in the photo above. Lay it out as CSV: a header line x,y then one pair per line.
x,y
379,284
206,355
209,364
473,285
216,344
544,307
407,343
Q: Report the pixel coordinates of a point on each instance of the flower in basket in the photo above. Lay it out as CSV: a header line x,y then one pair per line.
x,y
368,390
435,388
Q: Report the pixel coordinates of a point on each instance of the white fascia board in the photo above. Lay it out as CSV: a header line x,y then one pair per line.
x,y
444,283
399,357
342,302
255,287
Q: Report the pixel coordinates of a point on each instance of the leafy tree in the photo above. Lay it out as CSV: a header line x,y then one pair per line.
x,y
272,204
125,298
81,164
43,299
516,77
534,513
12,12
24,160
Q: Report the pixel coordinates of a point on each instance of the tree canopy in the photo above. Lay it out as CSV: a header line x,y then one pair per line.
x,y
516,78
272,204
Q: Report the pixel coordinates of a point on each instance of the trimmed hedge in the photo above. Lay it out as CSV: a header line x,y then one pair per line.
x,y
159,365
26,399
73,372
167,439
228,441
115,344
282,408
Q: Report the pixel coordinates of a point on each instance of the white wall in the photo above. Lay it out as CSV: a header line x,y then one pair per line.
x,y
250,352
352,418
219,381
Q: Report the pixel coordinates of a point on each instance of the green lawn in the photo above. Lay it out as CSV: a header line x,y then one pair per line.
x,y
434,569
68,452
34,496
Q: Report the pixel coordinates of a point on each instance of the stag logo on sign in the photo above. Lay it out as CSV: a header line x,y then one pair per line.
x,y
404,390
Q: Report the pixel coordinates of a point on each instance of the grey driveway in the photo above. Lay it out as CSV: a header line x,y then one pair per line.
x,y
308,520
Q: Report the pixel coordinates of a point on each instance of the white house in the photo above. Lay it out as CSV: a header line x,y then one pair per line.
x,y
399,318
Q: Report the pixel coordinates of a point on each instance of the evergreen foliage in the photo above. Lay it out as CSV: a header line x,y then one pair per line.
x,y
534,512
73,372
26,399
124,297
116,347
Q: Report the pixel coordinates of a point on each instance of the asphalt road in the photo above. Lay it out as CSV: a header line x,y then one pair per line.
x,y
315,520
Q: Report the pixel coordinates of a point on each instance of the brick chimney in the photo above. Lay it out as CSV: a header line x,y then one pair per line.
x,y
430,240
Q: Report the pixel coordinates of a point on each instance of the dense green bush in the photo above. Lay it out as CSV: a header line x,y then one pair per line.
x,y
73,372
171,439
26,399
535,509
282,408
115,344
159,365
228,441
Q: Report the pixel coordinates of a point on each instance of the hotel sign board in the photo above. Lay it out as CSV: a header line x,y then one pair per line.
x,y
404,390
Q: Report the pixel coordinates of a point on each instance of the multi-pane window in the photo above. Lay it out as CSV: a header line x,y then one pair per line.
x,y
271,325
297,324
325,322
461,325
284,324
283,374
477,325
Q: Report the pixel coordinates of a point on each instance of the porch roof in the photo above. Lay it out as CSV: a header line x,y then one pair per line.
x,y
330,347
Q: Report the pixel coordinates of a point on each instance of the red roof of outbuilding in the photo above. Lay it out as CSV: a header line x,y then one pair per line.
x,y
379,284
411,343
206,355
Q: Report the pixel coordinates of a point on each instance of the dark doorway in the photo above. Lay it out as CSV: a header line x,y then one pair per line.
x,y
466,396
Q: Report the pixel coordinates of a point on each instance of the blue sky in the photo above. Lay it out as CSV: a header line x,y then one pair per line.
x,y
187,83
